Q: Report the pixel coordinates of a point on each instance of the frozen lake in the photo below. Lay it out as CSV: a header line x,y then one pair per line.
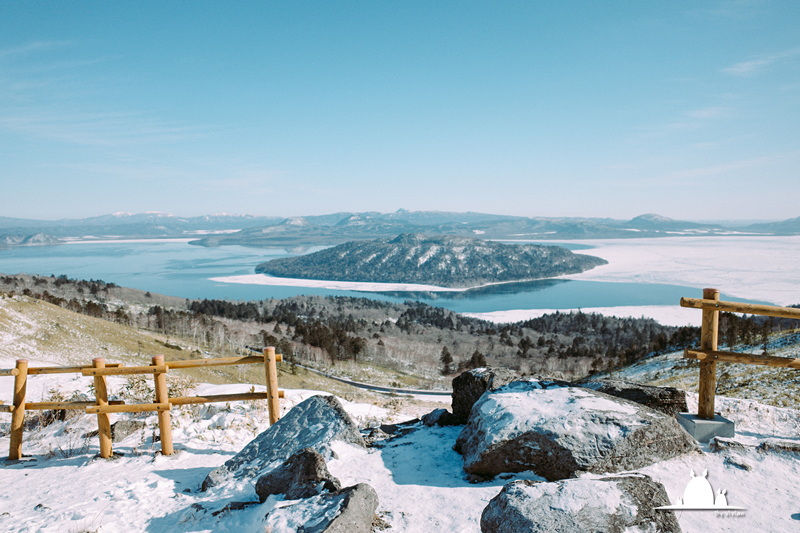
x,y
644,277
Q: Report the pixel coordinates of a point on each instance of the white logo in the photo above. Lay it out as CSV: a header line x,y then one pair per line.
x,y
699,495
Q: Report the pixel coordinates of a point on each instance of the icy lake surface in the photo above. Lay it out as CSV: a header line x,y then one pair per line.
x,y
644,277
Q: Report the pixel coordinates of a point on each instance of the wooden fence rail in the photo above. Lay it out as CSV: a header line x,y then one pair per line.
x,y
708,355
162,404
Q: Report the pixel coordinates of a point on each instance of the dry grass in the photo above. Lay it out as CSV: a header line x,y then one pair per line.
x,y
49,334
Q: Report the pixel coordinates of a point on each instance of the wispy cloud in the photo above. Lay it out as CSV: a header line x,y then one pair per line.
x,y
752,67
36,46
98,129
61,98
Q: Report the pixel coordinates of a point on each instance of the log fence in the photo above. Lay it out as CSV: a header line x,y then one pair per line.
x,y
709,355
162,405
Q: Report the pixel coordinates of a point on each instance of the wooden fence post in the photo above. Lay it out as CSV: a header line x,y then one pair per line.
x,y
164,418
18,414
708,369
271,372
103,423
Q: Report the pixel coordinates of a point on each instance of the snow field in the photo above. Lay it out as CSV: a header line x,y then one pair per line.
x,y
757,268
418,477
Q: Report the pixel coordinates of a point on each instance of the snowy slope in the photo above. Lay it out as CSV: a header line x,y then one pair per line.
x,y
418,477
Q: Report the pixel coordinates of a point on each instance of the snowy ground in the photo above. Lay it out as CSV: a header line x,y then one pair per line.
x,y
418,477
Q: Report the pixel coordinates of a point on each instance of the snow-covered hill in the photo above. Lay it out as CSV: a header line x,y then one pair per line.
x,y
447,261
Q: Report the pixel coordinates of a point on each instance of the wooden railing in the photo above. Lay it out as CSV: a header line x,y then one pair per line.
x,y
708,355
162,405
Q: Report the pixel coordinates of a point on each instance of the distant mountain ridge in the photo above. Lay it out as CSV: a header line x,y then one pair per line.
x,y
337,228
446,261
345,227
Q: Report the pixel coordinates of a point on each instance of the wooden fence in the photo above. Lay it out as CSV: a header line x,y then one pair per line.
x,y
163,403
708,355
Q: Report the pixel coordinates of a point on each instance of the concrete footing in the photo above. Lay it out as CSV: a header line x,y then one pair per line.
x,y
704,430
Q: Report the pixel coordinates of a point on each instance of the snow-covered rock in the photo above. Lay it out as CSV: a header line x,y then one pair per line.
x,y
619,503
470,385
314,423
668,400
556,431
349,510
304,475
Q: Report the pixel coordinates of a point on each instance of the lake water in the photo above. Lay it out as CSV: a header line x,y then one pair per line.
x,y
179,269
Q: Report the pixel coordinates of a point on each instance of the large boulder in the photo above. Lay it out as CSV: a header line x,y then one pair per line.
x,y
349,510
305,474
314,423
623,503
469,386
668,400
556,431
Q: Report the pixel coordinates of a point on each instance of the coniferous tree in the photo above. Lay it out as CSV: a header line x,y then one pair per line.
x,y
447,361
478,360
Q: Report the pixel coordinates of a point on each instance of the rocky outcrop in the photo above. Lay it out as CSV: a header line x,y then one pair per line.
x,y
314,423
349,510
668,400
304,475
557,430
470,385
622,503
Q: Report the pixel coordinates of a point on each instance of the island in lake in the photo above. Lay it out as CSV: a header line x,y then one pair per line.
x,y
445,261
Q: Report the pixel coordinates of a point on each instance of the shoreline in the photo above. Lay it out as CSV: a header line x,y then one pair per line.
x,y
666,315
360,286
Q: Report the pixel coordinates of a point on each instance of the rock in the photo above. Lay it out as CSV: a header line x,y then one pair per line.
x,y
305,474
376,437
557,431
314,423
234,506
441,417
120,430
668,400
349,510
433,417
469,386
724,444
779,446
401,428
738,462
623,503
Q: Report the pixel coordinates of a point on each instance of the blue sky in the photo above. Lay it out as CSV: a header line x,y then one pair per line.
x,y
595,109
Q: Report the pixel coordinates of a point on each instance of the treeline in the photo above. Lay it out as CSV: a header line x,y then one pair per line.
x,y
751,331
339,328
234,310
93,286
